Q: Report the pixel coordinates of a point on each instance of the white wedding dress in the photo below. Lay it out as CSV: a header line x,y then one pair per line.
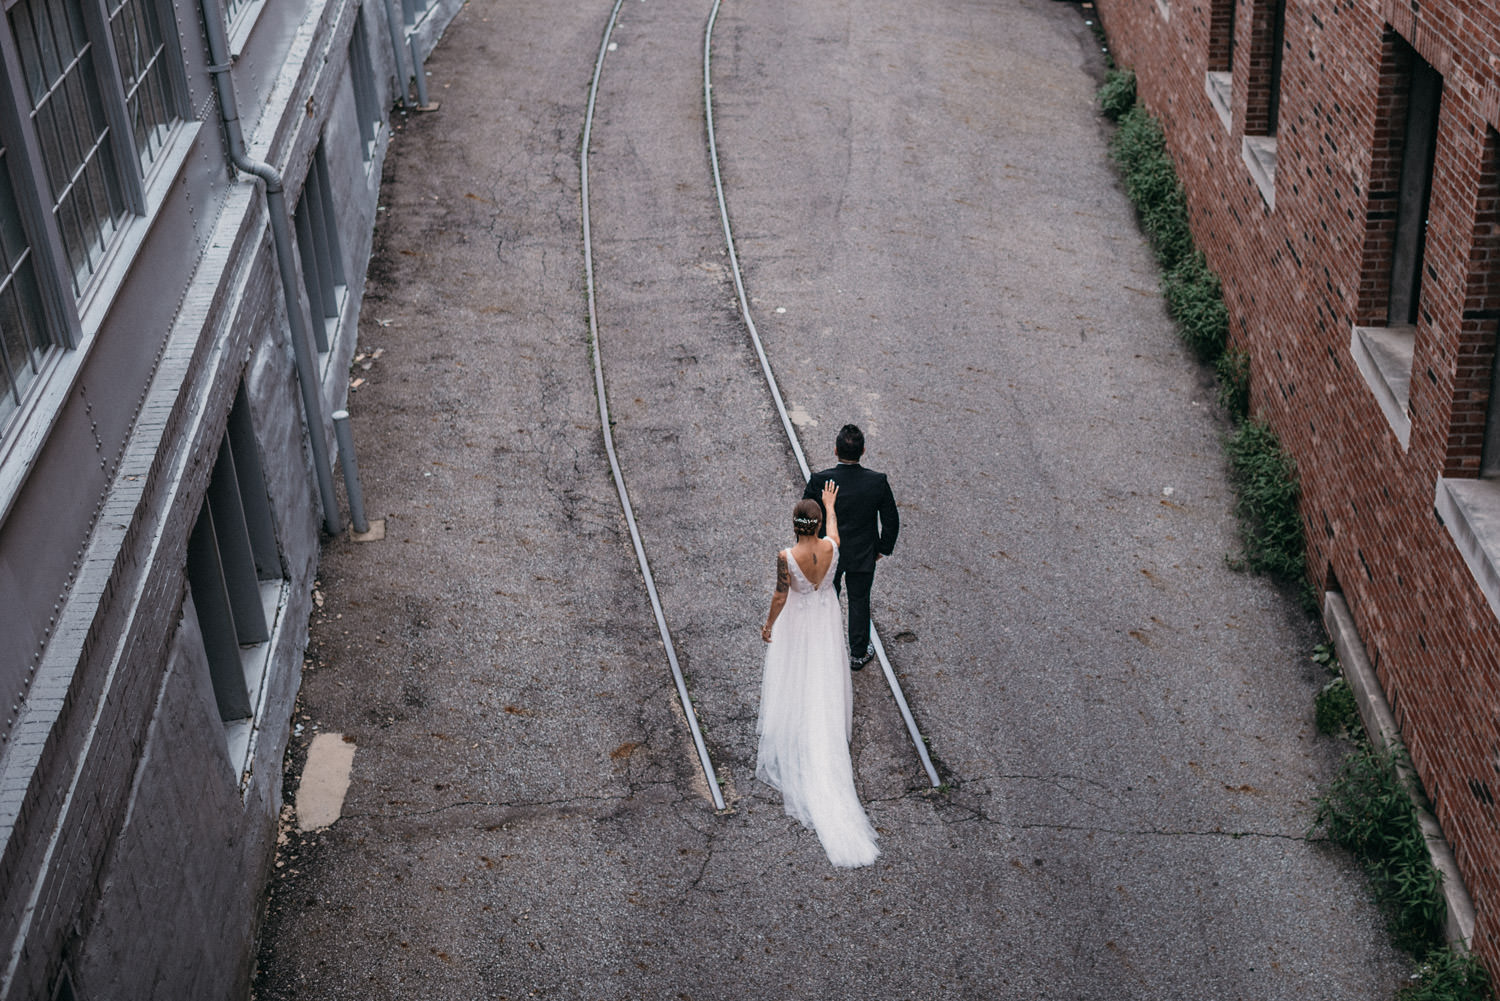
x,y
806,714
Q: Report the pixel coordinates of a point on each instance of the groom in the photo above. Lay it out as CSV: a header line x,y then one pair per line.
x,y
868,524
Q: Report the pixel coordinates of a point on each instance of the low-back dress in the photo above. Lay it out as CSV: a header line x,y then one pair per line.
x,y
806,716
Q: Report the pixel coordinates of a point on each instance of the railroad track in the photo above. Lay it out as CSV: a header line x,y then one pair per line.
x,y
606,424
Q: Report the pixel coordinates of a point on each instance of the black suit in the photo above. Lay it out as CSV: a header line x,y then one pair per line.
x,y
868,524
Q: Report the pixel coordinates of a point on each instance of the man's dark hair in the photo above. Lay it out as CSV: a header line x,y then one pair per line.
x,y
850,444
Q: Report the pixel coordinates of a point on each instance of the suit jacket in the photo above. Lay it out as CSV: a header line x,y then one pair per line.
x,y
866,509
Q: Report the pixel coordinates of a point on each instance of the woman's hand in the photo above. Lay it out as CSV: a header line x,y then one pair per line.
x,y
765,632
830,514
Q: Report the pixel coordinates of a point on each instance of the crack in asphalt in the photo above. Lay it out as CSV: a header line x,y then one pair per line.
x,y
625,797
1162,832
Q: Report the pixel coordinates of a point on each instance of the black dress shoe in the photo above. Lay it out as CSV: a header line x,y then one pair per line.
x,y
858,663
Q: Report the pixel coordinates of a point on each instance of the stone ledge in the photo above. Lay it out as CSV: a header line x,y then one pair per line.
x,y
1380,724
1470,511
1259,154
1384,356
1220,89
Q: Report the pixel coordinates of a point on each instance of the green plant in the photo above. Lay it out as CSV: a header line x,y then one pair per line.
x,y
1448,975
1195,300
1117,94
1327,655
1233,371
1140,149
1369,811
1265,476
1335,710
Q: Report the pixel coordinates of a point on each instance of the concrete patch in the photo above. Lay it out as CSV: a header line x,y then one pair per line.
x,y
325,779
375,534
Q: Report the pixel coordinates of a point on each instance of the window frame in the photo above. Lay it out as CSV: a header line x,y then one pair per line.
x,y
237,581
324,275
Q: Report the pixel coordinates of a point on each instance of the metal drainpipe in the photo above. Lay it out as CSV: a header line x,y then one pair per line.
x,y
397,29
281,241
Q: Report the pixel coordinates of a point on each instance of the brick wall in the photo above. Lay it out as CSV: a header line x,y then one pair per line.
x,y
1299,277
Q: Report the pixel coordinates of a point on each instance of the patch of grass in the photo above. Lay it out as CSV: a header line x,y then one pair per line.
x,y
1335,710
1117,94
1140,149
1265,476
1448,975
1233,371
1195,300
1369,811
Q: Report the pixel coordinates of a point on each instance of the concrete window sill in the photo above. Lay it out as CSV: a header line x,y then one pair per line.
x,y
242,735
1220,89
1384,356
1470,511
1259,154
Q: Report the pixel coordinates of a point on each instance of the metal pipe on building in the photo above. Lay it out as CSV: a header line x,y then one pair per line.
x,y
281,240
350,467
419,73
396,30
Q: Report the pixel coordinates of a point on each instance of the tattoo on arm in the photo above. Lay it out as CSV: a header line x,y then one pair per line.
x,y
783,575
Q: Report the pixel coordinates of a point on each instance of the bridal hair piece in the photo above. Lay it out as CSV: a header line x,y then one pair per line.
x,y
806,517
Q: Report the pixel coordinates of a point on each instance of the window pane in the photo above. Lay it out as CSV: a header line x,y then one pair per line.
x,y
68,113
141,51
23,332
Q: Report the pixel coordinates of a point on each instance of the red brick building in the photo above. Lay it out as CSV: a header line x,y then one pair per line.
x,y
1342,165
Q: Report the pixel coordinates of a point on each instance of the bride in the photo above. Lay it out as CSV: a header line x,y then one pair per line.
x,y
806,697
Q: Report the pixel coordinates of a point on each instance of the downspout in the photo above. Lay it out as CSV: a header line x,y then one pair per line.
x,y
281,241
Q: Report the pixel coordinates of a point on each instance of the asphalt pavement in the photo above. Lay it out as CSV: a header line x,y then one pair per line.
x,y
935,248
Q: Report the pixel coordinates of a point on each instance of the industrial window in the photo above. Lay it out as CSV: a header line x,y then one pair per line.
x,y
141,48
318,245
24,338
362,77
68,114
90,96
233,8
231,552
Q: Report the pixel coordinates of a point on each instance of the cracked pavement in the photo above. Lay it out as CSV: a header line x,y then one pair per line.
x,y
936,249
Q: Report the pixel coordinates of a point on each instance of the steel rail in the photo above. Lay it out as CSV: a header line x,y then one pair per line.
x,y
765,366
604,424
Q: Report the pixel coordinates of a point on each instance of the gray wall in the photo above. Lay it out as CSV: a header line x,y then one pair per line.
x,y
133,850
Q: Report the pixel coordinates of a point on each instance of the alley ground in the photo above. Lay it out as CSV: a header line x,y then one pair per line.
x,y
937,250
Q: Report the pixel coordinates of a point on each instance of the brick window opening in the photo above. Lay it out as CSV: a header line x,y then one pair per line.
x,y
1468,492
1402,163
1467,499
1219,82
1221,35
234,568
1263,100
1478,375
318,246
